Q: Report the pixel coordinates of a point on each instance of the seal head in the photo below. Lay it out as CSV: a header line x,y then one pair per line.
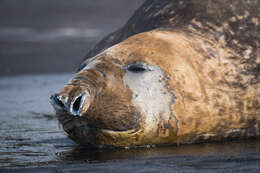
x,y
117,99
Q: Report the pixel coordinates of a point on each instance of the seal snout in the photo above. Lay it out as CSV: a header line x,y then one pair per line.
x,y
74,106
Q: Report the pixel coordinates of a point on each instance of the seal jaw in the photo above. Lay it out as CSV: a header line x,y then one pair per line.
x,y
78,130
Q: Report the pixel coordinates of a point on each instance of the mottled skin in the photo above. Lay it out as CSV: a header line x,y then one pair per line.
x,y
202,61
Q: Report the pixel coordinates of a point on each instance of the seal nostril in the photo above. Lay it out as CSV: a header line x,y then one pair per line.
x,y
77,104
58,102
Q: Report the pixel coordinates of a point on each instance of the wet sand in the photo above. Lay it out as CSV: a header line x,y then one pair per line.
x,y
31,140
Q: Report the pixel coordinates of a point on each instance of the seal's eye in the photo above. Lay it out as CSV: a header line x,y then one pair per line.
x,y
82,66
137,68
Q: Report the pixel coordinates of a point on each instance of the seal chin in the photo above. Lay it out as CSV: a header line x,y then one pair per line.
x,y
90,135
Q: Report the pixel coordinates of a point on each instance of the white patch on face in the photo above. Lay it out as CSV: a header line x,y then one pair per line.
x,y
150,95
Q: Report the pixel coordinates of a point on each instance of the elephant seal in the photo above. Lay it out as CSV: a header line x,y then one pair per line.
x,y
179,72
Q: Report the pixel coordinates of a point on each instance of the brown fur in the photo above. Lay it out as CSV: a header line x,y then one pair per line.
x,y
211,103
211,64
212,98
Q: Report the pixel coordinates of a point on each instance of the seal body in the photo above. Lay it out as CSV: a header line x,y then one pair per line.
x,y
193,76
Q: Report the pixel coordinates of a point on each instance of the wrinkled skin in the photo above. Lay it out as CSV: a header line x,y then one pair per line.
x,y
159,87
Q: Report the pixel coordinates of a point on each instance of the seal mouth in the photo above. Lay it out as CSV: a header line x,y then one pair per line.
x,y
70,122
83,134
109,131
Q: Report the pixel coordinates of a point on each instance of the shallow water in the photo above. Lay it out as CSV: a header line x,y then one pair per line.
x,y
29,132
31,140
